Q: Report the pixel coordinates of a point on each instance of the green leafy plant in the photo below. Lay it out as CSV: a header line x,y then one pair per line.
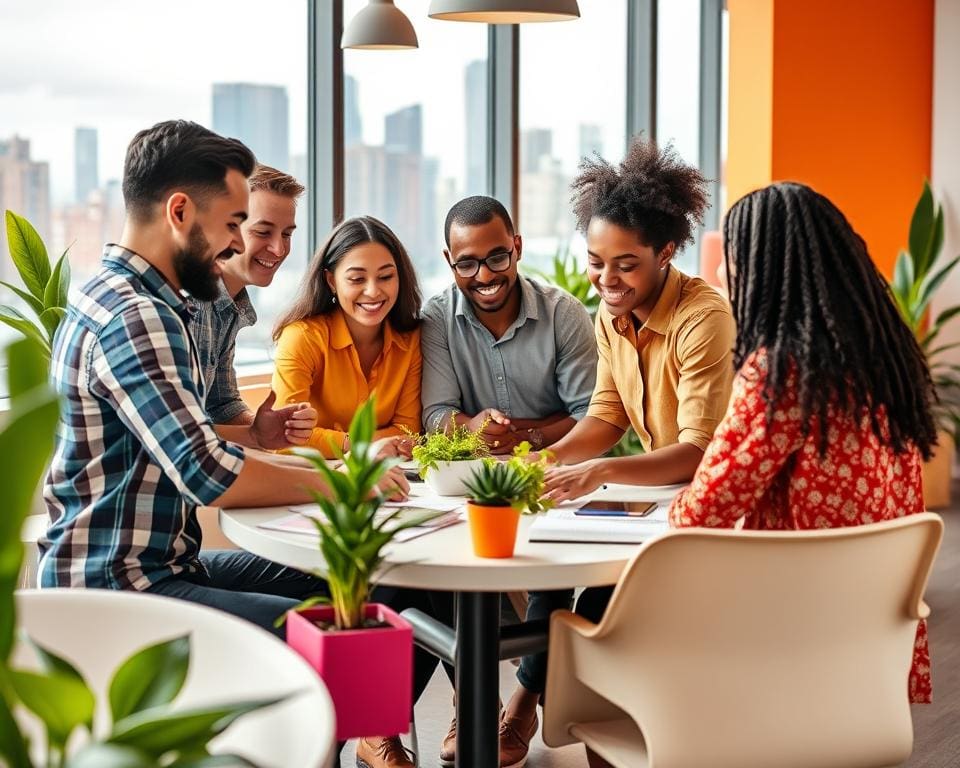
x,y
352,533
917,276
45,286
516,482
145,731
570,276
455,442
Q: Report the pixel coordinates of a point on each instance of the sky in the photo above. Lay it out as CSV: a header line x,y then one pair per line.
x,y
121,65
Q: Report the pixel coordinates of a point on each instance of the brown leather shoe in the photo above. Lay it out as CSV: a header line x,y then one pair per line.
x,y
376,752
515,735
448,747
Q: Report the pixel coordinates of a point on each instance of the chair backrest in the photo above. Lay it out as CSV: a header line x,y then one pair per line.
x,y
739,649
231,660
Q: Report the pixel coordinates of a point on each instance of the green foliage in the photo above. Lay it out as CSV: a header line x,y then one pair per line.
x,y
628,445
46,287
455,442
916,277
517,482
57,694
352,534
567,274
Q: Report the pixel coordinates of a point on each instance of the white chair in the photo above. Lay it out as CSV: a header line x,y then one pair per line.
x,y
746,649
231,660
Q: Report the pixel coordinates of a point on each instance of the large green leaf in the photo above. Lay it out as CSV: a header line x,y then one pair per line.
x,y
27,298
55,292
933,282
51,318
26,369
902,285
13,747
29,254
62,702
16,320
159,732
922,232
99,755
150,678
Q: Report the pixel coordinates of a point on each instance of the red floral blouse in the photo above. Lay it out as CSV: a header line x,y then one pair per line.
x,y
774,478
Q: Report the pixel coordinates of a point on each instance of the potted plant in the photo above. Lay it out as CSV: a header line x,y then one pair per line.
x,y
143,729
362,650
45,286
499,492
917,276
447,457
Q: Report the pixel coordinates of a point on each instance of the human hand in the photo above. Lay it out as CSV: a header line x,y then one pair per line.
x,y
387,447
393,485
281,428
498,433
571,482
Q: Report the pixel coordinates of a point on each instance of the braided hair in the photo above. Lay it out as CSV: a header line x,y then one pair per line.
x,y
652,192
805,290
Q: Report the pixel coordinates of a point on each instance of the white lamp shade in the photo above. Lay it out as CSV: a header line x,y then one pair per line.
x,y
504,11
380,25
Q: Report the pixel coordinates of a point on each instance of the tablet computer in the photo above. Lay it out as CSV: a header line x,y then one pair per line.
x,y
604,508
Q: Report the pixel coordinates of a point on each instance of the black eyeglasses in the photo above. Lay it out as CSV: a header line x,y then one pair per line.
x,y
495,262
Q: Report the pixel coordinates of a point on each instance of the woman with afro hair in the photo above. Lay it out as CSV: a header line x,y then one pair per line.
x,y
665,365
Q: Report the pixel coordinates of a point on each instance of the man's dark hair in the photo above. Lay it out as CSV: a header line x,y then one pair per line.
x,y
178,154
653,192
805,291
474,211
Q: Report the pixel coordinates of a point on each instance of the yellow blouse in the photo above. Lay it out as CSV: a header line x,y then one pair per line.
x,y
316,361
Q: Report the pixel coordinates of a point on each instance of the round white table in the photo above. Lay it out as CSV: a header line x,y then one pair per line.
x,y
444,560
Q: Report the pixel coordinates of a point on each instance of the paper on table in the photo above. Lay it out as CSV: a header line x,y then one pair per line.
x,y
300,523
435,503
563,525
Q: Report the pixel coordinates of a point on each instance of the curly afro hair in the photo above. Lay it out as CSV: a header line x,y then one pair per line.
x,y
653,192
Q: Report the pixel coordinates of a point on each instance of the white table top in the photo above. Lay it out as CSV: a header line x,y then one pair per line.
x,y
444,559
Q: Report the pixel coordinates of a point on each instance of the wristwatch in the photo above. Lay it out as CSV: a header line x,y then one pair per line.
x,y
535,438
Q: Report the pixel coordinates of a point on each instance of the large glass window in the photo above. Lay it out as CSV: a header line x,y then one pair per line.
x,y
415,132
678,90
80,79
572,105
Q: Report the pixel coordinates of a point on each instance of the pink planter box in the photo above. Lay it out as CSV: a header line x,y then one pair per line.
x,y
369,672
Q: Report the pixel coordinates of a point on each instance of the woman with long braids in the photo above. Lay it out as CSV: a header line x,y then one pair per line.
x,y
830,417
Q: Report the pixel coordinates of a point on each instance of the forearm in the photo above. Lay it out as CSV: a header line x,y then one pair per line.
x,y
236,433
664,466
266,483
589,438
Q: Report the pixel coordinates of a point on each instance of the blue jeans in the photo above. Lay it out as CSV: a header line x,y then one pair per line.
x,y
244,585
532,673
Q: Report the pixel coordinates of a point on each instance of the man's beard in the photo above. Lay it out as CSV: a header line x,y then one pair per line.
x,y
195,269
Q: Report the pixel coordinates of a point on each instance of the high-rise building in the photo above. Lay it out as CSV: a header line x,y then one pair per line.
x,y
591,140
25,190
475,76
535,145
403,130
258,115
85,158
352,123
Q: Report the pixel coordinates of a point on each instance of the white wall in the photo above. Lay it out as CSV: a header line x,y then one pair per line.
x,y
945,163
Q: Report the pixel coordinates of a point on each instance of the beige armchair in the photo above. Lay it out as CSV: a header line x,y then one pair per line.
x,y
737,649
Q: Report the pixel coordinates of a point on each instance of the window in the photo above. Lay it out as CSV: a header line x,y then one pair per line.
x,y
415,133
572,104
81,79
678,91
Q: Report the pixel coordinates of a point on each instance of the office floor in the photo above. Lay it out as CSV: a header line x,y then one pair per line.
x,y
936,726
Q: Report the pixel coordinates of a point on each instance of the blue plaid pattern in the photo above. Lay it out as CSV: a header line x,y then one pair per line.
x,y
214,326
136,452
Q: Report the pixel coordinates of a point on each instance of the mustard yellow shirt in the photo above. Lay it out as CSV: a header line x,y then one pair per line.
x,y
671,378
316,361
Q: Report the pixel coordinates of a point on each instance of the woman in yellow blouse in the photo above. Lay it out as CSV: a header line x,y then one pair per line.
x,y
353,329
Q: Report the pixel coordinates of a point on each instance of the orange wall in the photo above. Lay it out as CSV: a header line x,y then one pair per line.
x,y
850,106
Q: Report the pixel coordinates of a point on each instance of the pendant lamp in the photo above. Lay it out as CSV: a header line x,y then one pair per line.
x,y
380,25
504,11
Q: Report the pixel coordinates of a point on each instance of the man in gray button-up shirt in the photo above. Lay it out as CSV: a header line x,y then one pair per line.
x,y
214,324
500,346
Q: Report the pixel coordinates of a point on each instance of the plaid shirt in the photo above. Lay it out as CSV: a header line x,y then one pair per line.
x,y
214,326
136,453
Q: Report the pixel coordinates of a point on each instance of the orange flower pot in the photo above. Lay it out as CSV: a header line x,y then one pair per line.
x,y
493,529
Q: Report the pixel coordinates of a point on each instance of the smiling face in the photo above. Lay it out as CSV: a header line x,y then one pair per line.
x,y
266,236
366,284
487,290
627,274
